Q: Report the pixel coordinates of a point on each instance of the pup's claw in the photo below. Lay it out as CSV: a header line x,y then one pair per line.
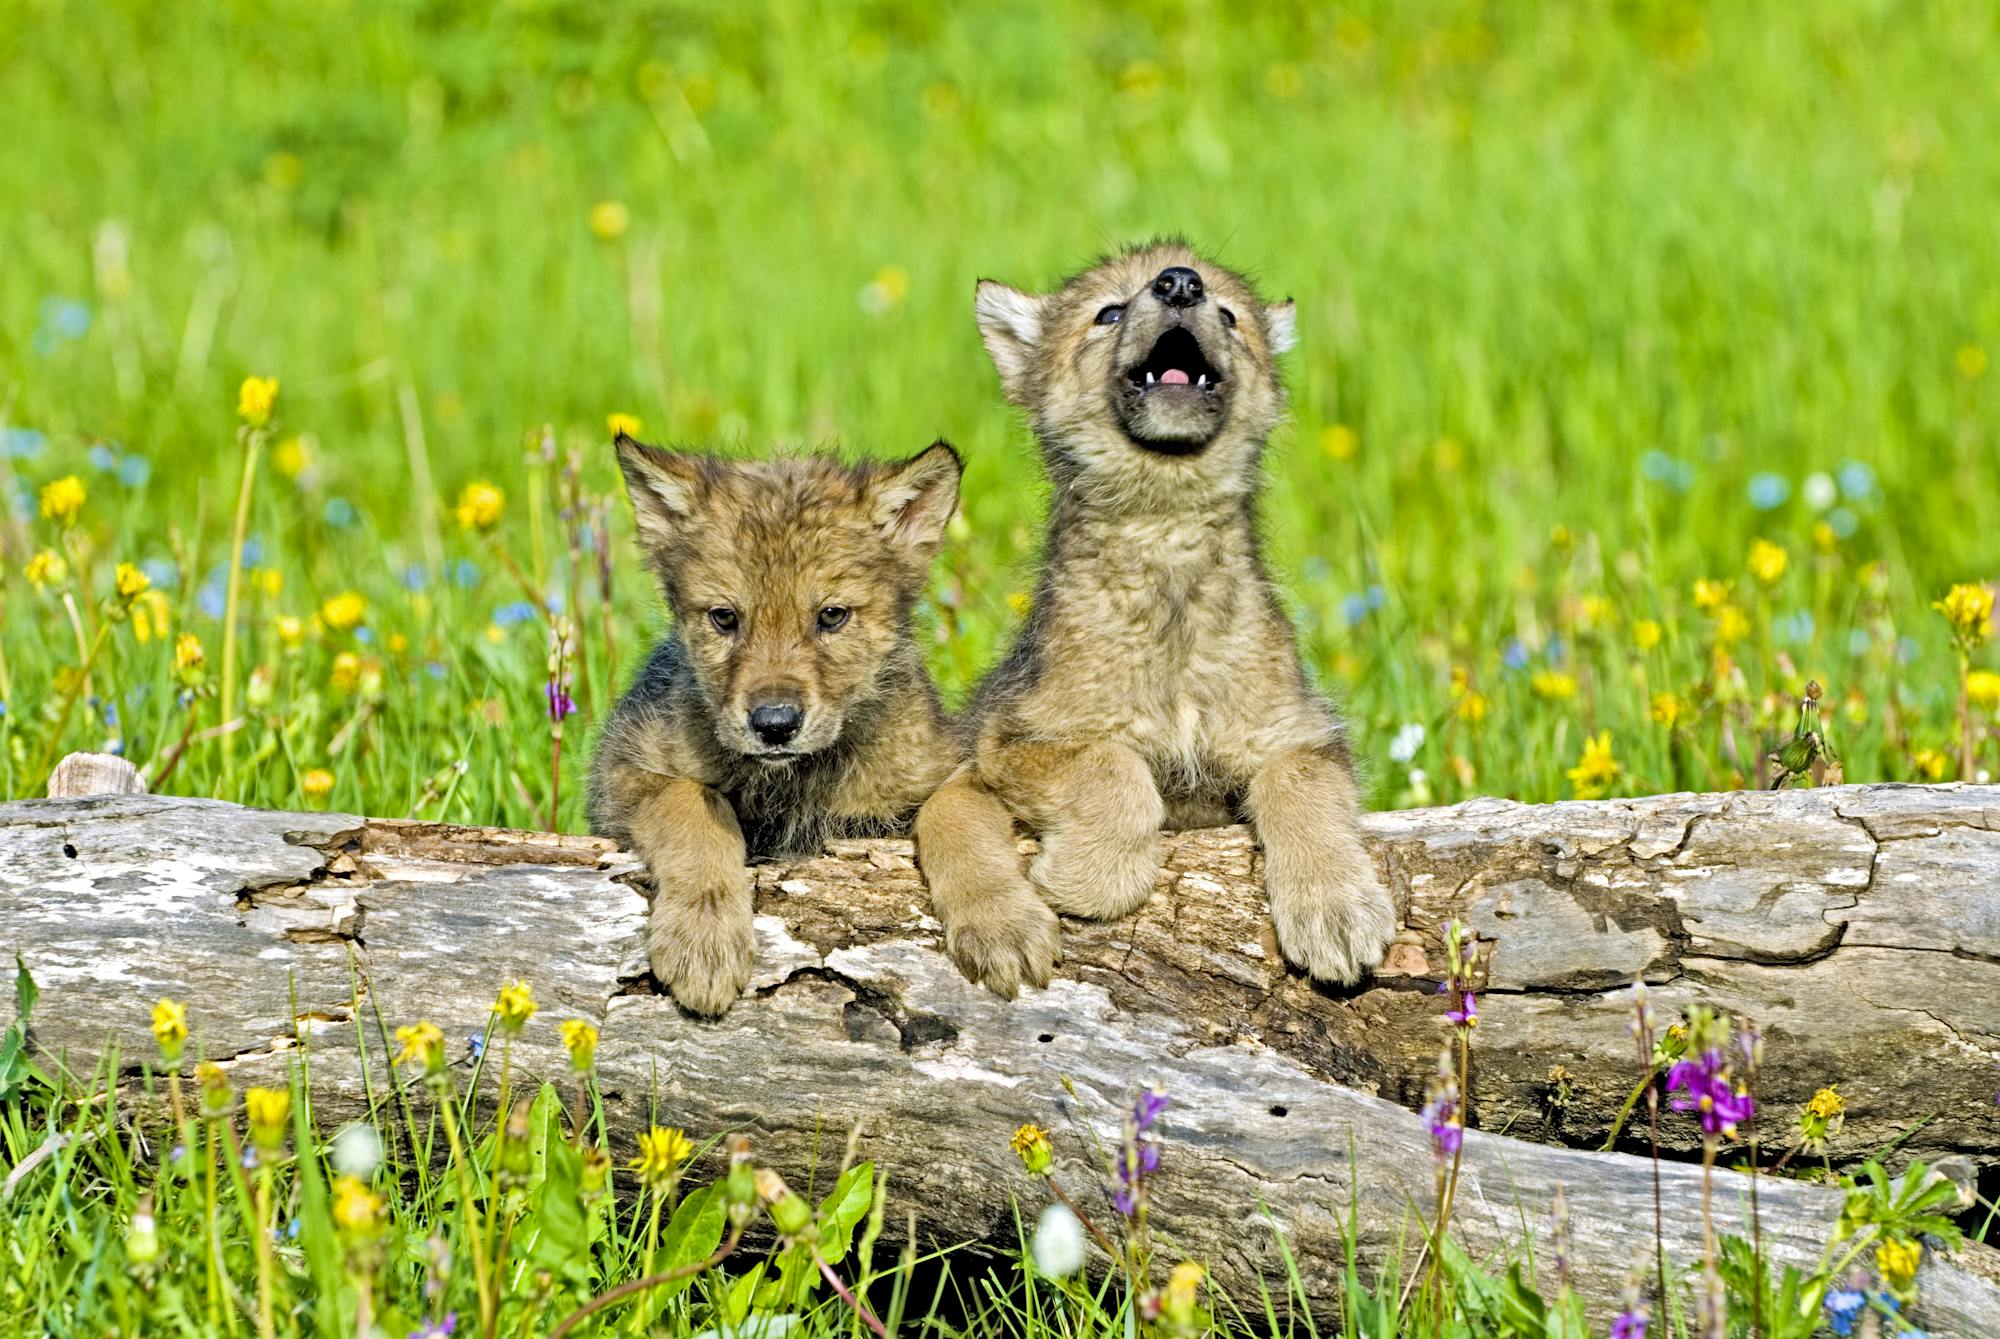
x,y
1006,941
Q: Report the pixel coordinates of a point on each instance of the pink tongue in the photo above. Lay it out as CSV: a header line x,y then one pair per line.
x,y
1173,376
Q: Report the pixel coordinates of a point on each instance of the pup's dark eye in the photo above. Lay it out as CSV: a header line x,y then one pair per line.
x,y
723,617
1229,318
834,617
1111,315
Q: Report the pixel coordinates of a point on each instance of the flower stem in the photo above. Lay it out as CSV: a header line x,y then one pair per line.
x,y
480,1269
638,1321
618,1294
854,1304
266,1326
252,445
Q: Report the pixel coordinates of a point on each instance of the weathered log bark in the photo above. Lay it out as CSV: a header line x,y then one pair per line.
x,y
1859,926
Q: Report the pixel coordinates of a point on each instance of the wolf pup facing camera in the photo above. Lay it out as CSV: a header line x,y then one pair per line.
x,y
1156,682
788,703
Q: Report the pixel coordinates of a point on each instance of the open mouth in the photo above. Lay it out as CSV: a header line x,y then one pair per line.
x,y
1175,366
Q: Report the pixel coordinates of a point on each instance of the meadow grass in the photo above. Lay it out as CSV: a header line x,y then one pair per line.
x,y
156,1195
1593,299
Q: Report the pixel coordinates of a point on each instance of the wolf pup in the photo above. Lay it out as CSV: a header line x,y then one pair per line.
x,y
1156,681
788,703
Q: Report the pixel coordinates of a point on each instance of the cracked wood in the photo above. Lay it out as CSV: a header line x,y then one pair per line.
x,y
1860,926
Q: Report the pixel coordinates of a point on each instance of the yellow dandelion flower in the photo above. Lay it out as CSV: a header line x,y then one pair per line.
x,y
292,457
270,581
1337,441
397,643
188,653
268,1110
423,1045
580,1040
170,1028
1668,710
1471,707
609,219
1183,1291
216,1094
344,612
291,629
1646,633
62,501
1983,688
1031,1144
661,1153
255,399
1595,772
480,506
515,1006
46,569
1968,610
1931,764
356,1209
130,582
628,424
1595,611
345,676
1827,1103
152,616
1767,561
1731,625
316,782
1971,360
1553,685
1709,595
1898,1261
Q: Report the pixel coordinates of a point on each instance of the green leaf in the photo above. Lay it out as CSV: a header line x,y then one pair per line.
x,y
26,992
691,1236
843,1209
556,1217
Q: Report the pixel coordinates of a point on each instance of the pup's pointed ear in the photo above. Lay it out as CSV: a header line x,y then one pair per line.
x,y
1010,324
666,488
1281,319
913,499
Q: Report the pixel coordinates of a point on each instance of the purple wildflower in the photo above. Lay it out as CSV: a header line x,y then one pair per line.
x,y
438,1329
1139,1157
1147,1110
1447,1130
1467,1012
1705,1089
561,706
1628,1325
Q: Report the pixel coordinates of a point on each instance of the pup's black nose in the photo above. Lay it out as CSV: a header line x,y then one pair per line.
x,y
776,724
1178,286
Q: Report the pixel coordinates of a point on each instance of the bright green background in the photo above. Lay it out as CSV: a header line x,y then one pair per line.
x,y
1530,245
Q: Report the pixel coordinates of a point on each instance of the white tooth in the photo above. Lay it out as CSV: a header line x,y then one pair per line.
x,y
1149,378
1201,380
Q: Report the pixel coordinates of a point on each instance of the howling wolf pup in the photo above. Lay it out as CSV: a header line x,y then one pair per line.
x,y
1156,682
789,702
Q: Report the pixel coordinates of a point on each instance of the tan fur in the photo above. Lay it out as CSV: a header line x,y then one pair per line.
x,y
681,776
1157,679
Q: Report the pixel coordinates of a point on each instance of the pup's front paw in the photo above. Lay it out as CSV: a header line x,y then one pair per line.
x,y
1335,923
1101,876
1005,939
703,957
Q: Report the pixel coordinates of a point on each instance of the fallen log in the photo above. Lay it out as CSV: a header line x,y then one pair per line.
x,y
1859,925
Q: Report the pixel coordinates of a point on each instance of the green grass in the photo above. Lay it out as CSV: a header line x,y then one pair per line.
x,y
154,1197
1570,278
